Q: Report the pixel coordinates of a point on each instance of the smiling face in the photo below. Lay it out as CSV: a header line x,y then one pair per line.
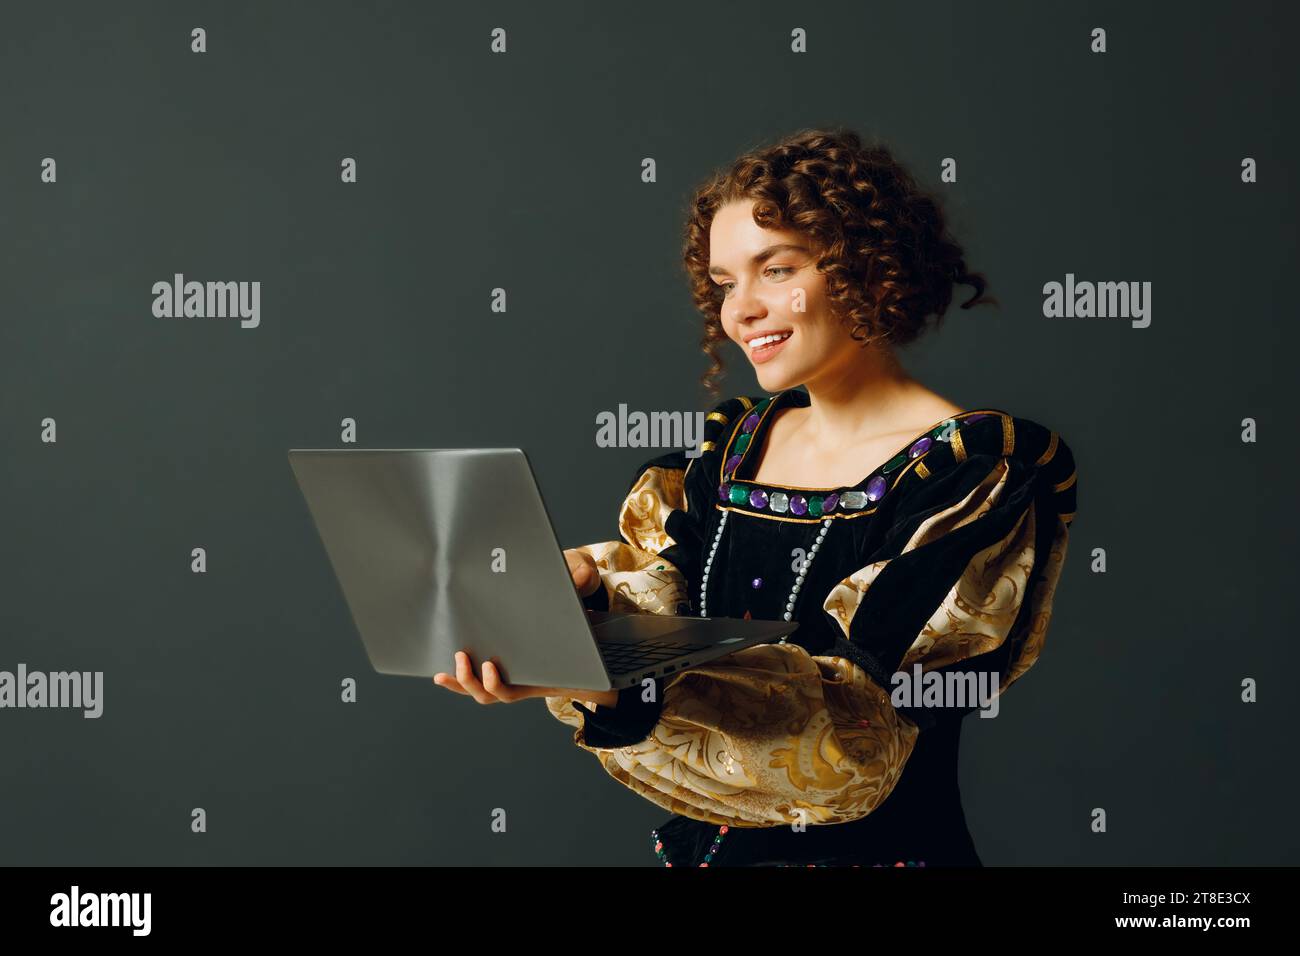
x,y
761,272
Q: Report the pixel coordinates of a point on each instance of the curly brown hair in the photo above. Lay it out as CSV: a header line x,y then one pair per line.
x,y
889,261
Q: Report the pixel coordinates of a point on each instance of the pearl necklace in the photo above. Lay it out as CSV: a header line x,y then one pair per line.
x,y
798,581
788,614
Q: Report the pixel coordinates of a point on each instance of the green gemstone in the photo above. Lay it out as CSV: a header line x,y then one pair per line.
x,y
815,505
741,444
739,494
660,568
708,858
894,462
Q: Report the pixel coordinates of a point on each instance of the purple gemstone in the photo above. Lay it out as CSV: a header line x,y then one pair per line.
x,y
750,423
757,582
831,501
798,505
758,498
876,488
920,448
724,491
732,462
975,418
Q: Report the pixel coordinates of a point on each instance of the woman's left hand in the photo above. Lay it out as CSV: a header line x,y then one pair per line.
x,y
493,690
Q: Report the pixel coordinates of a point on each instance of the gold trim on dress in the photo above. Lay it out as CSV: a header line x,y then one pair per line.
x,y
1046,456
726,454
722,464
912,463
759,514
1068,481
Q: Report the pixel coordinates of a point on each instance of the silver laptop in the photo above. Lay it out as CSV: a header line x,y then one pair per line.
x,y
440,550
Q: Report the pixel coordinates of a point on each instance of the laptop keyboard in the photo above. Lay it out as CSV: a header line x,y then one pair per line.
x,y
621,658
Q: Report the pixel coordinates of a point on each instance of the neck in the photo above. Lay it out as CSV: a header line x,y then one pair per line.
x,y
864,398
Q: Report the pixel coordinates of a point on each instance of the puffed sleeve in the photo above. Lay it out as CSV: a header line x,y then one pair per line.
x,y
965,578
651,569
641,573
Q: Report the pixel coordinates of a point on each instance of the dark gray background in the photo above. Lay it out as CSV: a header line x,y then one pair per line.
x,y
522,171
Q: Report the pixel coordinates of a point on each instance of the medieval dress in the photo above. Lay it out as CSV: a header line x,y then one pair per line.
x,y
946,556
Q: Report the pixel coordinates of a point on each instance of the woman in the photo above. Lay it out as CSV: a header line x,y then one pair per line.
x,y
897,528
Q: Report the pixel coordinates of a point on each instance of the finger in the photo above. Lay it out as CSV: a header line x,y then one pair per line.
x,y
449,682
585,577
465,674
498,688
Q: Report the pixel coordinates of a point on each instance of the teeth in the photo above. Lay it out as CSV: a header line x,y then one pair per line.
x,y
767,339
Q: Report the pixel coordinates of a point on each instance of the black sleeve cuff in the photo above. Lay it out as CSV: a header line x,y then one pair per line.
x,y
842,647
630,722
923,717
598,600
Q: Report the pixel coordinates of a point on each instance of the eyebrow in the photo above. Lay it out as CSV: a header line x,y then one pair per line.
x,y
763,254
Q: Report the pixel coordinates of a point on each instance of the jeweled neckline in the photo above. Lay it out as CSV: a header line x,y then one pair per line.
x,y
811,503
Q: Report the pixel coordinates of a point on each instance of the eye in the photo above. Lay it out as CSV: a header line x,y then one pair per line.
x,y
725,286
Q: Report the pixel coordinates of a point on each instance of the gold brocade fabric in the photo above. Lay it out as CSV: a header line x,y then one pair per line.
x,y
772,735
760,736
634,575
978,612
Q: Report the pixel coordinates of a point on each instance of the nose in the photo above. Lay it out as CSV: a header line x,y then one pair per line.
x,y
745,306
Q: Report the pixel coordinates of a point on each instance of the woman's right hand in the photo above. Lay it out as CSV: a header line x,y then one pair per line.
x,y
582,566
492,689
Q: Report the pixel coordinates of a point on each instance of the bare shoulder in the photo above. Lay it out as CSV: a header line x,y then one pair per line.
x,y
926,409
